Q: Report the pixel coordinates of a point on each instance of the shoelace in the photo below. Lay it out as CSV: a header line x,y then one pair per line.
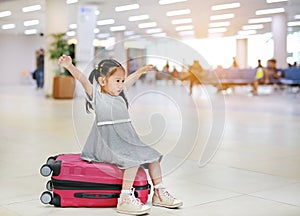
x,y
135,200
168,195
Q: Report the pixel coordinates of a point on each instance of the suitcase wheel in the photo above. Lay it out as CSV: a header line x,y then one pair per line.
x,y
50,161
45,170
49,185
46,197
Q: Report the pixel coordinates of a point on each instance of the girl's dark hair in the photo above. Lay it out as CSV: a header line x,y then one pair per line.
x,y
105,68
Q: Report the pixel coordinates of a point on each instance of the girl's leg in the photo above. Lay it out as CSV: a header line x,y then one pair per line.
x,y
128,203
155,173
161,196
128,177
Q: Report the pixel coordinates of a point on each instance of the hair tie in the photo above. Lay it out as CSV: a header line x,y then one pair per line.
x,y
96,67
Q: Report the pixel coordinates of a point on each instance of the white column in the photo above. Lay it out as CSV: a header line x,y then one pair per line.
x,y
56,21
86,22
279,30
119,49
242,52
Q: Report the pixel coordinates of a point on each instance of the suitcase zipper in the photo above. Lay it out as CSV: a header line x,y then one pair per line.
x,y
77,185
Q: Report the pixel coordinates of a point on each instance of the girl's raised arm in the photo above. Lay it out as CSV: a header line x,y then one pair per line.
x,y
132,78
66,62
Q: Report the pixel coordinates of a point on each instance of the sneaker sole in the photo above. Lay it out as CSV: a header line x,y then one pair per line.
x,y
167,206
134,213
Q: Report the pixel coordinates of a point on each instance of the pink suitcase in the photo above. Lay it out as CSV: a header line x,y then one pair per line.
x,y
76,183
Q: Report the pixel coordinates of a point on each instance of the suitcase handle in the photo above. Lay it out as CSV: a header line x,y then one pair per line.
x,y
96,195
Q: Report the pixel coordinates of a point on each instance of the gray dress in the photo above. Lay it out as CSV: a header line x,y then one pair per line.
x,y
113,138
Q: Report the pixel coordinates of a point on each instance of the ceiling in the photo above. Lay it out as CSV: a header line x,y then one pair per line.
x,y
200,14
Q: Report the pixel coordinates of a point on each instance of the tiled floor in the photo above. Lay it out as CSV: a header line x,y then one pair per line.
x,y
255,172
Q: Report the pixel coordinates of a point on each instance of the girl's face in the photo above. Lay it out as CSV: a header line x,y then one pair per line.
x,y
113,84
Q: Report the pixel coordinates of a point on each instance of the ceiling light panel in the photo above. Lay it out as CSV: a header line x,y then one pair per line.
x,y
118,28
295,23
181,21
222,17
164,2
31,8
260,20
163,34
8,26
103,35
178,12
105,22
275,1
270,11
251,27
71,33
30,31
139,17
147,25
127,7
184,28
153,31
31,22
248,32
128,33
71,1
297,16
217,30
225,6
73,26
219,24
5,13
186,33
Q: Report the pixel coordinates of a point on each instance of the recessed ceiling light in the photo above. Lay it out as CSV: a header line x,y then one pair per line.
x,y
118,28
71,33
248,32
164,2
219,24
294,23
260,20
153,31
103,35
217,30
147,25
297,16
105,22
96,30
71,1
97,12
186,33
31,8
73,26
128,33
30,31
184,28
139,17
181,21
226,6
275,1
270,11
127,7
31,22
163,34
178,12
8,26
250,27
222,16
5,13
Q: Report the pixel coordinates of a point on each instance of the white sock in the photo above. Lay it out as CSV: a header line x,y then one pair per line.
x,y
126,192
160,186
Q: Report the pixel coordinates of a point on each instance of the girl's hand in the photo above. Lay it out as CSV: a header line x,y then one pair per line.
x,y
65,61
145,69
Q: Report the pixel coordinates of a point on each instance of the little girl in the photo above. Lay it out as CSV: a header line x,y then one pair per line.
x,y
113,138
